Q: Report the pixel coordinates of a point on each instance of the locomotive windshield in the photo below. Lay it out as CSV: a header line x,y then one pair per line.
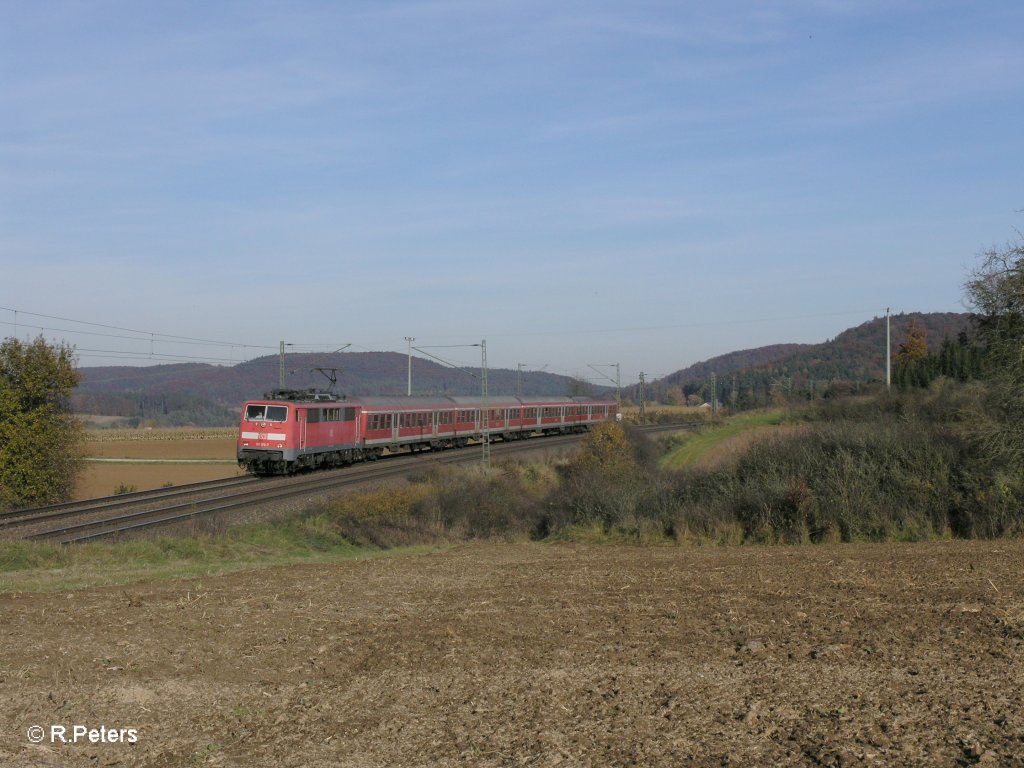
x,y
266,413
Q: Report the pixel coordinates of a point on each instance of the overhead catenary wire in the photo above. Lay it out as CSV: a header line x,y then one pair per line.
x,y
160,346
151,339
140,335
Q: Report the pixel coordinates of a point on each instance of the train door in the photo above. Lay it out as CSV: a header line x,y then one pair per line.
x,y
302,416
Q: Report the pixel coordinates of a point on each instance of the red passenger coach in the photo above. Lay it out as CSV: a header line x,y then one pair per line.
x,y
290,431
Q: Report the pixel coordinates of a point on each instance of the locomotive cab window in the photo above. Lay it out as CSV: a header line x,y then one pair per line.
x,y
266,413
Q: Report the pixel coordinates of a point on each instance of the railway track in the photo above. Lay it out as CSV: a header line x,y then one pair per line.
x,y
77,522
76,508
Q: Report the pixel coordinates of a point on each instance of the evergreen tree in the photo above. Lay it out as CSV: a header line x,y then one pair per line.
x,y
40,441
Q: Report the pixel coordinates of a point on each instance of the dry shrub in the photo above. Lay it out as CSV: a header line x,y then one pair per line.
x,y
384,517
441,504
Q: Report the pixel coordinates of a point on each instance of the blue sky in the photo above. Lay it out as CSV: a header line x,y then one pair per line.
x,y
580,183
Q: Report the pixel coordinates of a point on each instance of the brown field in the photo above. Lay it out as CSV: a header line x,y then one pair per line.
x,y
541,655
151,447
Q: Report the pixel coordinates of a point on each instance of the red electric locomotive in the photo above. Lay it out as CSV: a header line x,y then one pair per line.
x,y
290,431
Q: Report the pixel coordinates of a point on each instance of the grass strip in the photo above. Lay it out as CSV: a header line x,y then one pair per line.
x,y
27,566
695,445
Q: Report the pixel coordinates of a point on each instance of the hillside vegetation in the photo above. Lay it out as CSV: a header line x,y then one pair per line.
x,y
907,466
788,372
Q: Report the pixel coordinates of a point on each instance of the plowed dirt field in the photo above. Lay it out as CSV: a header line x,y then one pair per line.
x,y
495,655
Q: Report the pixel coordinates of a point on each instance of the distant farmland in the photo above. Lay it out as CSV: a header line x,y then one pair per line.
x,y
149,458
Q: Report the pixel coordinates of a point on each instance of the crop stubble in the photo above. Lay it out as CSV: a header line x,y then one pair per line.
x,y
539,655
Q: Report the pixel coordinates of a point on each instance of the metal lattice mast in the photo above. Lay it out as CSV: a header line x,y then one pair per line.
x,y
280,368
643,399
888,351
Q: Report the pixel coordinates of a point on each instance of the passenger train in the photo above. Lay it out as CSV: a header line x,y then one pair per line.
x,y
289,431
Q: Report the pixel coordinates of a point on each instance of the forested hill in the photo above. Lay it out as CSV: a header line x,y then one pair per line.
x,y
208,395
736,361
855,355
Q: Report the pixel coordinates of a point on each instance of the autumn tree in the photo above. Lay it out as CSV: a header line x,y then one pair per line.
x,y
673,395
915,348
914,366
40,440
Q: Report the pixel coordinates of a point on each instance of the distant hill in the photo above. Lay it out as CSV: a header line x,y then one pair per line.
x,y
855,355
208,395
735,361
